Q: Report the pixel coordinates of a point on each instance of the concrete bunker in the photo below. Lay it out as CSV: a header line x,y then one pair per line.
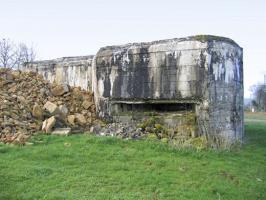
x,y
194,84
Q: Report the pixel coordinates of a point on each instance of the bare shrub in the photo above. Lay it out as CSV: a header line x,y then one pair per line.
x,y
13,55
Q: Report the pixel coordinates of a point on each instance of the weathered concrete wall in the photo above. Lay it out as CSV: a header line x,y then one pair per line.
x,y
225,90
75,71
206,71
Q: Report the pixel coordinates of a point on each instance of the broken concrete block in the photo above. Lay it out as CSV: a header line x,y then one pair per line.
x,y
48,124
71,119
81,120
51,108
37,111
59,90
63,111
95,129
87,104
61,131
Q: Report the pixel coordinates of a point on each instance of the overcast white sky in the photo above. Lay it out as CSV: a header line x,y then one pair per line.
x,y
60,28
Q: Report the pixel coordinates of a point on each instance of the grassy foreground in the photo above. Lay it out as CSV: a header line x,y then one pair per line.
x,y
89,167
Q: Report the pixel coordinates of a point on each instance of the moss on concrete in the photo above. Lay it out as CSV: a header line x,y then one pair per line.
x,y
208,38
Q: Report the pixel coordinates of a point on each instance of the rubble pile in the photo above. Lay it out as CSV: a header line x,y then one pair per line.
x,y
29,104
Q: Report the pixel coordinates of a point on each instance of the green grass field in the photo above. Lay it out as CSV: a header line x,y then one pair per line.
x,y
90,167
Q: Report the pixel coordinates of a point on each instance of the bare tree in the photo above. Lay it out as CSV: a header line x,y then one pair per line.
x,y
8,54
13,55
26,54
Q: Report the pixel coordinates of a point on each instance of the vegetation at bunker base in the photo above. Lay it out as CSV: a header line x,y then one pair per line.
x,y
90,167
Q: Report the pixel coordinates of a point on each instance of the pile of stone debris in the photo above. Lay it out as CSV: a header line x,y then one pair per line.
x,y
29,104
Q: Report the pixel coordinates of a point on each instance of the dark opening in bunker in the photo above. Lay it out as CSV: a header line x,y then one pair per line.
x,y
179,117
152,107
